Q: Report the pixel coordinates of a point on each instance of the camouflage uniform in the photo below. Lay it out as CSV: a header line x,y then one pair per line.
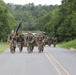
x,y
40,42
20,42
25,36
30,42
12,42
54,41
48,41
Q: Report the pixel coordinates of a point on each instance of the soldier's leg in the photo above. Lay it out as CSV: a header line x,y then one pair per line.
x,y
38,47
32,47
54,44
49,43
28,48
10,49
20,47
13,50
42,48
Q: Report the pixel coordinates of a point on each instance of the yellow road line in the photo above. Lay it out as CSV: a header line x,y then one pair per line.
x,y
53,64
58,63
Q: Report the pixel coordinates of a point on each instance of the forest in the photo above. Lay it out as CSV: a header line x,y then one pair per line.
x,y
56,20
29,14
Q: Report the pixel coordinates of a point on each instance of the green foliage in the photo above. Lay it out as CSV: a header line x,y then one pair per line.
x,y
69,44
29,14
50,22
6,21
57,21
61,22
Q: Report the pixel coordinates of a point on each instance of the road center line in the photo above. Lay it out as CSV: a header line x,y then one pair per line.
x,y
53,64
58,63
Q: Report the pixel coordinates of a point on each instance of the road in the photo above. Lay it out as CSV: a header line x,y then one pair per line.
x,y
53,61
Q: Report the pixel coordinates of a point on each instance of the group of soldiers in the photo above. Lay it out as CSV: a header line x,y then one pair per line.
x,y
15,39
30,41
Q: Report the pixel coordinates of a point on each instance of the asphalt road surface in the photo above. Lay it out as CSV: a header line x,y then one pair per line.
x,y
53,61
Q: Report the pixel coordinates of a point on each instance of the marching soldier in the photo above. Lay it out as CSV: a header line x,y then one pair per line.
x,y
12,41
54,41
40,42
30,42
20,42
48,40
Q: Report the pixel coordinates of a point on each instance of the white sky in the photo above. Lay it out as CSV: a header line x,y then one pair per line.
x,y
36,2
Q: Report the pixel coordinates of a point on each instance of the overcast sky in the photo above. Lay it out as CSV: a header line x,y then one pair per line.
x,y
36,2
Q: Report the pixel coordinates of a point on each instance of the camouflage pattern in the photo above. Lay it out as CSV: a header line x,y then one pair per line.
x,y
30,42
40,42
51,40
20,42
25,42
54,41
12,41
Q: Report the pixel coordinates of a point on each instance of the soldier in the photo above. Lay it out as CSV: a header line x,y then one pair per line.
x,y
40,42
10,36
49,41
46,40
54,41
12,41
20,42
30,42
35,36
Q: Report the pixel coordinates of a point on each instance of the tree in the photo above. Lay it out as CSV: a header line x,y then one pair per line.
x,y
6,20
29,14
61,21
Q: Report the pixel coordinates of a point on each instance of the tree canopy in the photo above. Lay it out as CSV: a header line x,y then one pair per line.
x,y
61,22
7,21
29,14
58,21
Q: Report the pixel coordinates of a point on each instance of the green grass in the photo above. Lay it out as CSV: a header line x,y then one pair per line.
x,y
3,47
70,44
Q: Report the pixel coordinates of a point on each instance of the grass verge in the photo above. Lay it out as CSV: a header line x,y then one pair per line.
x,y
69,45
3,47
